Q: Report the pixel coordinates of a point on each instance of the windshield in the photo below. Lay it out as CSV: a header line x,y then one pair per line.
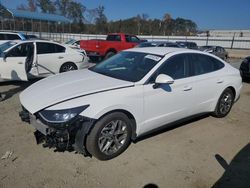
x,y
6,46
129,66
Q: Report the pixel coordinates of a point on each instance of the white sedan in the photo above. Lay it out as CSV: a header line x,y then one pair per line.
x,y
20,60
100,110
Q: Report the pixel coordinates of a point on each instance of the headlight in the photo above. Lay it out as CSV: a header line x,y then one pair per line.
x,y
61,116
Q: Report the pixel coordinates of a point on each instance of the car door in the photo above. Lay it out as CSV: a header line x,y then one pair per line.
x,y
169,102
50,57
17,62
208,81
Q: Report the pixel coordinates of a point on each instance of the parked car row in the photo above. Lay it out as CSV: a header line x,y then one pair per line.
x,y
158,44
116,42
34,64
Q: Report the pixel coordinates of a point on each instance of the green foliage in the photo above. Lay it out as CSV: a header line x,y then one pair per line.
x,y
71,9
169,26
46,6
101,20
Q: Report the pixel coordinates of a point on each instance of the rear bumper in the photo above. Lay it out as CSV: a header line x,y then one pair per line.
x,y
95,54
68,137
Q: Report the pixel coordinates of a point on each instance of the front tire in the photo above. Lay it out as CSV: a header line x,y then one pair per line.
x,y
110,136
224,103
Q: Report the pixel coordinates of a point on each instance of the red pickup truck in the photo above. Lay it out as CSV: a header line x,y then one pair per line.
x,y
114,43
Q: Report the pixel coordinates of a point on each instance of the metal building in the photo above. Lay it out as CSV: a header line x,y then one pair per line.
x,y
20,20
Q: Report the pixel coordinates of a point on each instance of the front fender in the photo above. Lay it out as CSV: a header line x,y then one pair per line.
x,y
128,99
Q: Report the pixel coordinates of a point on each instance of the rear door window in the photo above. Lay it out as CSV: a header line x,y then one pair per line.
x,y
48,48
204,64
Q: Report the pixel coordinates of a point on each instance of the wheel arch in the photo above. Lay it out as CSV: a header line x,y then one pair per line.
x,y
129,115
66,63
233,90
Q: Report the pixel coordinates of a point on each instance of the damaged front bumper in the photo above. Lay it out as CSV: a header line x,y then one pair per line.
x,y
69,136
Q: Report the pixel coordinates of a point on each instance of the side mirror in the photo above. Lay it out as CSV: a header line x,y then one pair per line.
x,y
163,79
4,56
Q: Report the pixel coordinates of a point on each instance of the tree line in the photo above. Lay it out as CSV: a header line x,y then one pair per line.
x,y
94,21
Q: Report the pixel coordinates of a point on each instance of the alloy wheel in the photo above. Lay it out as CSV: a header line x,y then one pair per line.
x,y
226,103
112,137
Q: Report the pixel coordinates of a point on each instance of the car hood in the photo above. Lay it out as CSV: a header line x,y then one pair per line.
x,y
62,87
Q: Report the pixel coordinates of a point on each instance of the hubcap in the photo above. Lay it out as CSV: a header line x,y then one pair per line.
x,y
226,103
112,137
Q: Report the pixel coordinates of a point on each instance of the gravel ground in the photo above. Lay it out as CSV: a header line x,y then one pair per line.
x,y
201,153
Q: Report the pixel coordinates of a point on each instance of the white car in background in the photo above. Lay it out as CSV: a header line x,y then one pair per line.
x,y
73,43
100,110
7,36
20,60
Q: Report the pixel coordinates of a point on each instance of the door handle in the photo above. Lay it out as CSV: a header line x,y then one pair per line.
x,y
220,81
187,88
60,57
20,63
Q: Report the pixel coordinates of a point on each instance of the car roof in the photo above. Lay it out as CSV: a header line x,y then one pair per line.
x,y
160,50
120,34
159,42
16,33
35,40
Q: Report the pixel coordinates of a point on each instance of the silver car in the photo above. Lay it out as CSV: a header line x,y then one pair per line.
x,y
216,50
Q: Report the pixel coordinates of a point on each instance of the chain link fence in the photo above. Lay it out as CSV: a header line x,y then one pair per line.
x,y
226,42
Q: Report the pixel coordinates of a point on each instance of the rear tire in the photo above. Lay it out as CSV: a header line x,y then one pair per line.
x,y
224,103
109,54
110,136
68,67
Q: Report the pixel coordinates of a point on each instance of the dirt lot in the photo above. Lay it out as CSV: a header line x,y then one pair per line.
x,y
205,152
